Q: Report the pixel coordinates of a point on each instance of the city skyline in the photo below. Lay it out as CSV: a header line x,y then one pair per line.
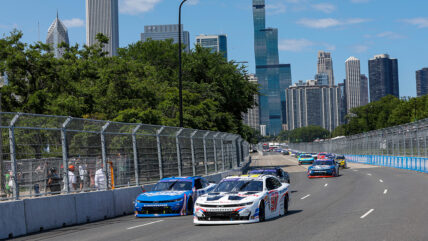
x,y
346,28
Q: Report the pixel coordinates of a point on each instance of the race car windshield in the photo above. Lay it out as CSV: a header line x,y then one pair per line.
x,y
173,186
305,156
340,157
239,186
329,163
270,172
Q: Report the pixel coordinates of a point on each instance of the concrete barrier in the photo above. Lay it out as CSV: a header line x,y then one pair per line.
x,y
12,219
49,212
123,200
94,206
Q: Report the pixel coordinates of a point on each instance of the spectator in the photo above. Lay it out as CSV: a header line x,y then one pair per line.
x,y
84,176
72,180
100,179
54,181
8,184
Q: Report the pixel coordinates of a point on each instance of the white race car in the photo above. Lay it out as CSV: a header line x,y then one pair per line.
x,y
243,199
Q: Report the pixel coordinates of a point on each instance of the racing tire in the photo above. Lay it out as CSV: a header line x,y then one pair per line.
x,y
337,174
262,216
190,207
285,205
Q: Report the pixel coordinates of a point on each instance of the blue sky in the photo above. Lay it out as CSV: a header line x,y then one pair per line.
x,y
360,28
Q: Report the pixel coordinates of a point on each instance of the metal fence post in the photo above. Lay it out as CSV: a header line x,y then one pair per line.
x,y
104,152
13,156
65,153
158,142
177,144
192,148
215,151
237,151
222,150
135,151
205,152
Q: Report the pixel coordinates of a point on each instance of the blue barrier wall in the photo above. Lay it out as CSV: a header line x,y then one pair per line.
x,y
419,164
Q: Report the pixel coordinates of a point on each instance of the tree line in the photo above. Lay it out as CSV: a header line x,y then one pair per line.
x,y
140,85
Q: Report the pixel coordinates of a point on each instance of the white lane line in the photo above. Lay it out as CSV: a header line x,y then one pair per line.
x,y
386,190
355,170
380,180
369,174
142,225
326,185
305,196
367,213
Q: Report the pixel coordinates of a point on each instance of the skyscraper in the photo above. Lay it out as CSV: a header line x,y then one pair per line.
x,y
164,32
102,17
383,77
353,83
313,105
422,82
322,79
364,94
325,65
273,77
252,118
217,43
342,103
57,34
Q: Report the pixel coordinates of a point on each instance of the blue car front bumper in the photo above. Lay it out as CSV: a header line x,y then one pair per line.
x,y
163,210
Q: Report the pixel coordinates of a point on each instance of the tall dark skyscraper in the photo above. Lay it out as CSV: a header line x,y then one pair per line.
x,y
383,77
273,77
364,88
422,82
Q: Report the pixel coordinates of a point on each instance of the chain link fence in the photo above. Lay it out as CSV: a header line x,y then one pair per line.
x,y
48,155
403,146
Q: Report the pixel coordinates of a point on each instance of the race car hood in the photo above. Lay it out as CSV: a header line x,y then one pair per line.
x,y
162,195
229,198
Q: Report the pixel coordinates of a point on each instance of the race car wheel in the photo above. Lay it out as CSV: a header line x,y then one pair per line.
x,y
190,207
337,174
286,205
262,211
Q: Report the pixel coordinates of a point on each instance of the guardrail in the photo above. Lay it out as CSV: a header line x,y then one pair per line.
x,y
36,152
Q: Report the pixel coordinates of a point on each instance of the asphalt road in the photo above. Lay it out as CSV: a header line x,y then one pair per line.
x,y
364,203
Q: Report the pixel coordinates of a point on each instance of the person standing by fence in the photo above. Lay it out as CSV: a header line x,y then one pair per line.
x,y
100,179
72,180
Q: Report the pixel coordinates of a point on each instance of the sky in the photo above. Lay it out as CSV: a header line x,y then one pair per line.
x,y
360,28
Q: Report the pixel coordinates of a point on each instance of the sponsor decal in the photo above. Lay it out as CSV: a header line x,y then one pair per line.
x,y
273,200
166,193
220,210
156,205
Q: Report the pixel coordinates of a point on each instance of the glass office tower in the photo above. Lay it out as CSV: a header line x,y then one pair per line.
x,y
273,77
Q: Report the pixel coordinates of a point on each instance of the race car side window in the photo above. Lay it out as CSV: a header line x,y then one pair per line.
x,y
276,183
198,184
205,183
270,184
279,172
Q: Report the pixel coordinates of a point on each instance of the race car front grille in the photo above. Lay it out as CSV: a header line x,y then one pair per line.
x,y
220,205
222,216
320,173
158,210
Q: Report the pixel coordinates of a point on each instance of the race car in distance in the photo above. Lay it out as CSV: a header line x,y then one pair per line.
x,y
173,196
341,161
243,199
321,155
285,152
274,171
323,168
305,159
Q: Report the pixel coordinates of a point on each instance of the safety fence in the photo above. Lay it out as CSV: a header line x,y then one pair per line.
x,y
404,146
48,155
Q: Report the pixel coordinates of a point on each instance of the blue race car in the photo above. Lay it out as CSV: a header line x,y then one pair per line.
x,y
173,196
323,168
305,159
274,171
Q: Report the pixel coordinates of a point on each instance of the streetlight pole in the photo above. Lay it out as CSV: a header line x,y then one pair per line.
x,y
180,83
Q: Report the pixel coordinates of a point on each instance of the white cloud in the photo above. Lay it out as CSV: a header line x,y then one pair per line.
x,y
324,7
275,8
360,48
390,35
134,7
192,2
419,22
74,23
329,22
360,1
298,45
294,45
